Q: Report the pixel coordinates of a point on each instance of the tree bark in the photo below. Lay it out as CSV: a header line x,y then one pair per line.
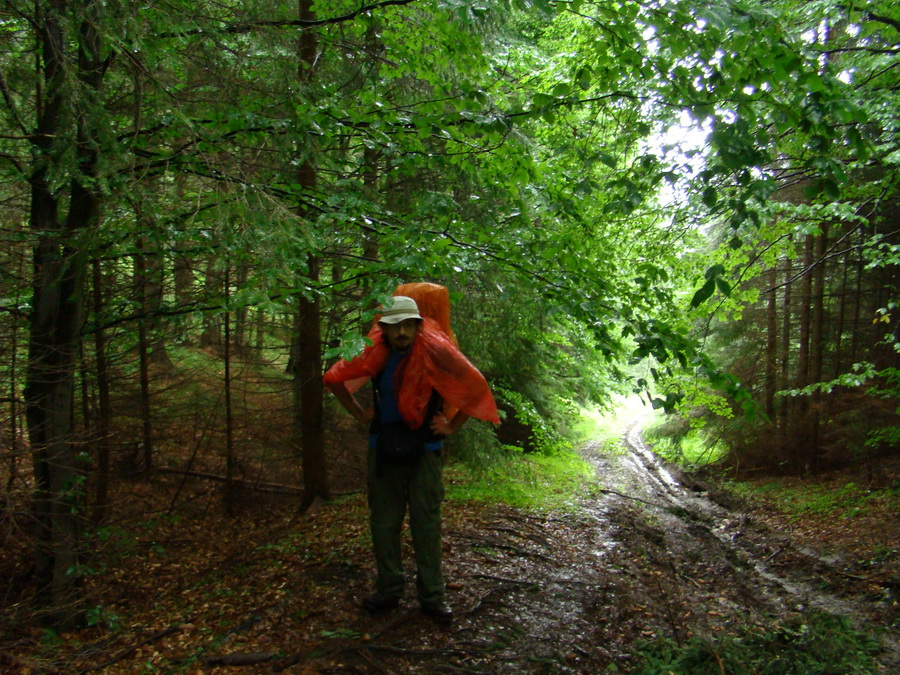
x,y
311,391
817,344
229,417
144,351
771,342
838,361
104,407
14,403
801,432
308,375
58,287
786,404
183,282
857,330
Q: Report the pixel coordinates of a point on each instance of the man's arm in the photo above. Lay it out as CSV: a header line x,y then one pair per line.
x,y
352,406
441,425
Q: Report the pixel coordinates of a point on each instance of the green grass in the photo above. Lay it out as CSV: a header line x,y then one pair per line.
x,y
848,501
814,644
532,481
671,437
541,480
675,440
691,451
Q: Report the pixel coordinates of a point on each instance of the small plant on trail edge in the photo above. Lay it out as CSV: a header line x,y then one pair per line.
x,y
99,616
817,643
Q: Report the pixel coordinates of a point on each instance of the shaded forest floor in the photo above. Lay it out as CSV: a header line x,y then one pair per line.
x,y
638,558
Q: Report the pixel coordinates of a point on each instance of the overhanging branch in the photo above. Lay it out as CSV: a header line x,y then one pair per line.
x,y
249,26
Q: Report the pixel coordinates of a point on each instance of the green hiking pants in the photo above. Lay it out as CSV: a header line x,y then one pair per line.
x,y
421,488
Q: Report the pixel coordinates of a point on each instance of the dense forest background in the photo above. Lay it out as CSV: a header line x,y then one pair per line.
x,y
202,203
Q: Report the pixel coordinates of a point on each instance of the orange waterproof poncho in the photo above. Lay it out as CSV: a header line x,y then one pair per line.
x,y
434,362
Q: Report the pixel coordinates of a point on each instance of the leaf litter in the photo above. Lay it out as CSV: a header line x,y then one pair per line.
x,y
641,557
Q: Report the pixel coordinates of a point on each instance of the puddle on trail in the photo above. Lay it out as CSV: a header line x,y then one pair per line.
x,y
693,525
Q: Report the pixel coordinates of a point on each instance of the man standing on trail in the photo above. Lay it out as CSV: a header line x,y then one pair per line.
x,y
425,389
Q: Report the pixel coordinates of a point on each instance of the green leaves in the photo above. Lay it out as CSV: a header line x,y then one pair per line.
x,y
710,196
714,280
351,344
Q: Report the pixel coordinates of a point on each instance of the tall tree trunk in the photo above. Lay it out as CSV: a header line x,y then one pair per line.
x,y
786,404
802,376
308,383
229,418
84,380
183,280
817,344
14,407
838,361
58,284
104,407
308,375
144,351
817,318
857,329
771,343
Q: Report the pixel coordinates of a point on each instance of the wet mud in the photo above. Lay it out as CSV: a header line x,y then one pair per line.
x,y
649,554
645,554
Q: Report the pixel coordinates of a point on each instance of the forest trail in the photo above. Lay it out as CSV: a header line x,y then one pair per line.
x,y
646,554
758,570
644,557
647,557
692,516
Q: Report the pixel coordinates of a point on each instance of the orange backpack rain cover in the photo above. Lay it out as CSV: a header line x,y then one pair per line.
x,y
434,362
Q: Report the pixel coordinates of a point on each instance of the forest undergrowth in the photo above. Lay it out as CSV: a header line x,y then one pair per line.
x,y
610,583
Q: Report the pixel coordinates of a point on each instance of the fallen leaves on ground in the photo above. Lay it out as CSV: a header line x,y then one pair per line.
x,y
192,590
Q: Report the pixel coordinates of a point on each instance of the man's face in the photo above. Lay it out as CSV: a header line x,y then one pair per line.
x,y
400,336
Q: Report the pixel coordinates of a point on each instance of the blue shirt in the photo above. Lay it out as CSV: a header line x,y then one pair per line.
x,y
388,410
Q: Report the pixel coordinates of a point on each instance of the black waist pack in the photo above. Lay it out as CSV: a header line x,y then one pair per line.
x,y
398,445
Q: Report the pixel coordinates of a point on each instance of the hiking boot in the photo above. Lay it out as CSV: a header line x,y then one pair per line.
x,y
439,611
379,604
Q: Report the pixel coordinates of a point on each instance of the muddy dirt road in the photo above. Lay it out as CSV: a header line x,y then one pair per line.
x,y
645,556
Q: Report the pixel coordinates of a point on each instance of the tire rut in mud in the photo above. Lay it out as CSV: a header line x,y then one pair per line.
x,y
758,572
647,555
